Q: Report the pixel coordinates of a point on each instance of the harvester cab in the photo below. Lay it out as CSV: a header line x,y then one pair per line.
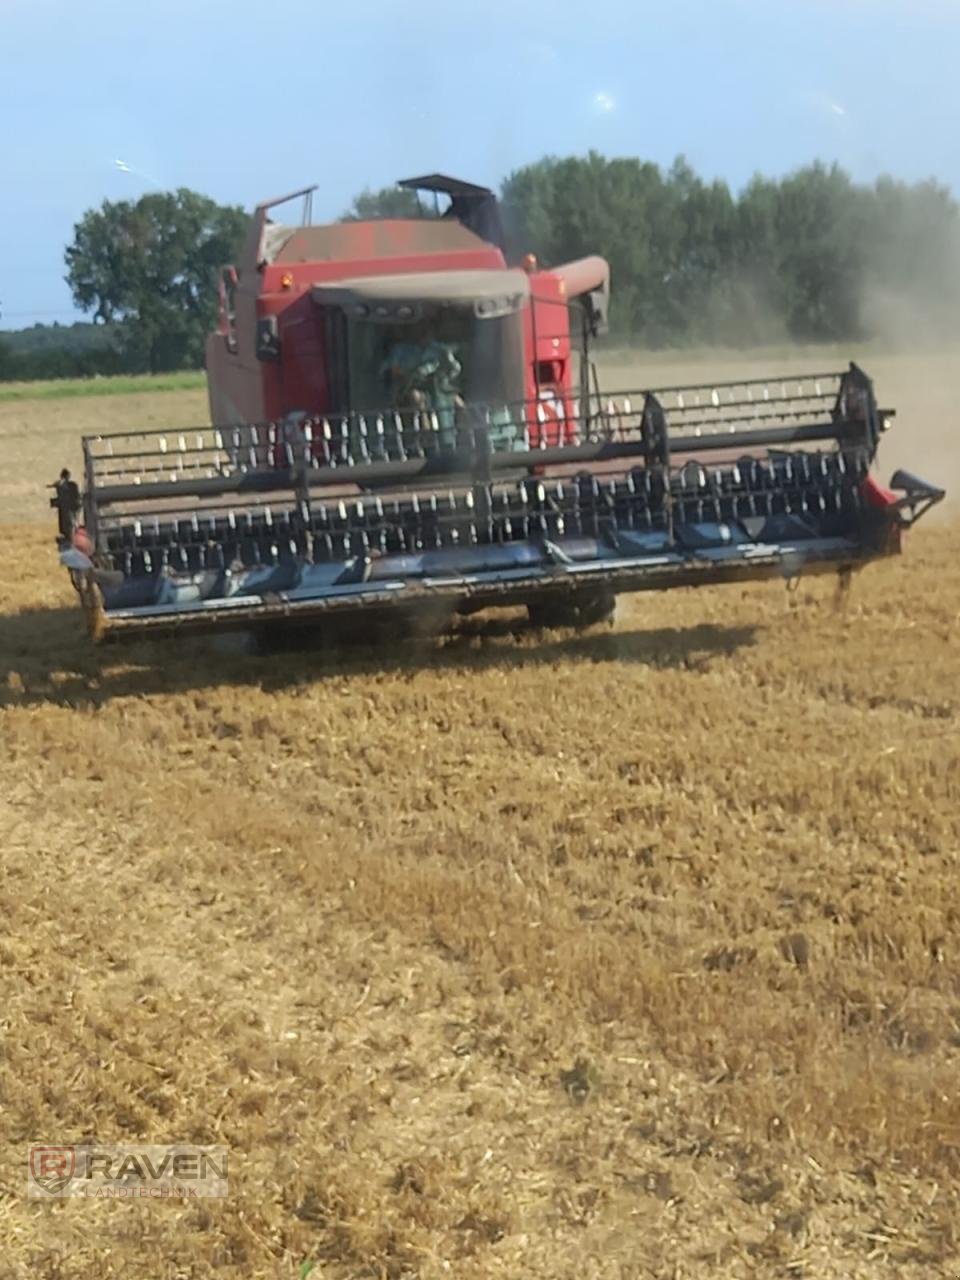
x,y
407,419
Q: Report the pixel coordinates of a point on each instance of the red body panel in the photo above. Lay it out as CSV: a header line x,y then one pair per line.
x,y
547,360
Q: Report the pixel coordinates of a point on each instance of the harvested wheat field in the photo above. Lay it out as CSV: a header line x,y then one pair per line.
x,y
625,954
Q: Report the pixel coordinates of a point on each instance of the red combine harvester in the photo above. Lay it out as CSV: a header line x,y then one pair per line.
x,y
406,423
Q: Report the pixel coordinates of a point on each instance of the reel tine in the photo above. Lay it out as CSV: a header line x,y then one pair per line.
x,y
398,437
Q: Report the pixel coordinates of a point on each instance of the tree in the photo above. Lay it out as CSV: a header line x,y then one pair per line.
x,y
150,267
388,202
821,243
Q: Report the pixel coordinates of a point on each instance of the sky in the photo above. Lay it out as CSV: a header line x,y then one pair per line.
x,y
244,99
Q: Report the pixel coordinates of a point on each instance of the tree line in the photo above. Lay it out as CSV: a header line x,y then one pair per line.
x,y
812,257
79,350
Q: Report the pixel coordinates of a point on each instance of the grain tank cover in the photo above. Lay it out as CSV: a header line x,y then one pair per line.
x,y
386,238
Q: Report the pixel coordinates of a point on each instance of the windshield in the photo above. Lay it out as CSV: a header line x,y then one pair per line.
x,y
447,358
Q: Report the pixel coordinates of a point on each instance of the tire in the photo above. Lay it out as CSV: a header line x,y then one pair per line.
x,y
579,610
425,623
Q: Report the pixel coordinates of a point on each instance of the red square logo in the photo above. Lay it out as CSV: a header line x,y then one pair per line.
x,y
52,1167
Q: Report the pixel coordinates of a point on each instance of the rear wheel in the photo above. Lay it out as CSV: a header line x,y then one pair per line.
x,y
426,622
579,609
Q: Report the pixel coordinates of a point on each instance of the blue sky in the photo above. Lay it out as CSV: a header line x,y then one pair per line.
x,y
244,99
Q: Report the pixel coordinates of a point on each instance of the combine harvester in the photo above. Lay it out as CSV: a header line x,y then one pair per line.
x,y
406,426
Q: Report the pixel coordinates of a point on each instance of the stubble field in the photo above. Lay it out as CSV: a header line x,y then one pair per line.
x,y
630,954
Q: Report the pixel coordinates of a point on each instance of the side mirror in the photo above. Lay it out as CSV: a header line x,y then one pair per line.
x,y
595,304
